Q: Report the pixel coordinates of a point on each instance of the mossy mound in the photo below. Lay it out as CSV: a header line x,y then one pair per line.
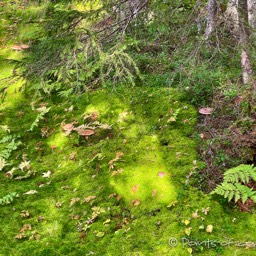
x,y
120,191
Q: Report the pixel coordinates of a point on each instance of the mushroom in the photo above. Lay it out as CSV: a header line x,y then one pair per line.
x,y
205,111
68,128
161,174
16,48
86,132
24,46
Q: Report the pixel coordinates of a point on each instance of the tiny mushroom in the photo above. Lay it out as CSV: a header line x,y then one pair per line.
x,y
16,48
205,111
20,47
85,132
68,128
161,174
24,46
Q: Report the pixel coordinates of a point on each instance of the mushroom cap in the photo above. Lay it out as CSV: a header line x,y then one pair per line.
x,y
68,127
16,47
205,111
161,174
24,46
85,132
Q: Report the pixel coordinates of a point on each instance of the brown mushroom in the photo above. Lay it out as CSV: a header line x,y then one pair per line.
x,y
86,132
205,111
24,46
68,128
16,48
161,174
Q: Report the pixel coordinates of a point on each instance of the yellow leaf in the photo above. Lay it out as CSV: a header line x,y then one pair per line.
x,y
171,119
106,222
195,214
100,234
190,250
188,231
209,228
186,222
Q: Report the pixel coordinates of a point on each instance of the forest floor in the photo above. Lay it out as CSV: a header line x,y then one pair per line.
x,y
108,172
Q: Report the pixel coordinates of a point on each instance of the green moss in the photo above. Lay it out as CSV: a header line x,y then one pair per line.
x,y
142,210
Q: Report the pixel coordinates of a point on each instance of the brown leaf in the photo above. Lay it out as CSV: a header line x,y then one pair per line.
x,y
135,188
119,171
76,217
20,236
25,228
136,202
74,200
154,192
24,214
89,198
58,204
112,195
34,236
117,158
72,156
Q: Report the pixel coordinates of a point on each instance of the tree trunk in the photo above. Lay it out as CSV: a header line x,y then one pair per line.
x,y
247,71
251,7
238,17
232,17
211,16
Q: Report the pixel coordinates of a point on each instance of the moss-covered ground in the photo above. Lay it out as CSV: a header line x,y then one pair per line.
x,y
124,190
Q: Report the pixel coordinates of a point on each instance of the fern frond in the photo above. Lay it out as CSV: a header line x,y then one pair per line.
x,y
233,185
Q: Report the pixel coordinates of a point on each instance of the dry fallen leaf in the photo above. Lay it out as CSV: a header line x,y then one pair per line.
x,y
72,156
24,214
25,164
136,202
74,200
188,231
89,198
53,147
209,228
186,222
34,236
31,192
20,236
58,204
117,158
112,195
47,174
119,171
25,228
154,192
195,214
135,188
206,210
190,250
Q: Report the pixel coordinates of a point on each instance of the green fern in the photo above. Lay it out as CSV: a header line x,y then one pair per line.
x,y
42,112
233,185
8,198
9,148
